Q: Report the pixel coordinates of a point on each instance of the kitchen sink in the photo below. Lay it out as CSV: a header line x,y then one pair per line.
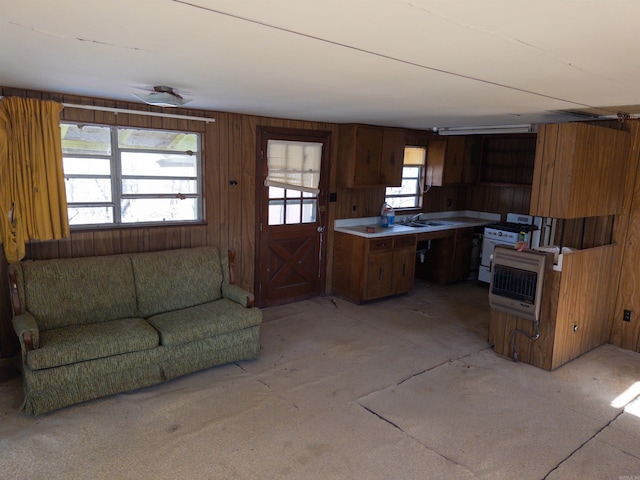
x,y
428,223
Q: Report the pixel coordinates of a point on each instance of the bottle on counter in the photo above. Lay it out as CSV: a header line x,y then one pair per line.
x,y
387,216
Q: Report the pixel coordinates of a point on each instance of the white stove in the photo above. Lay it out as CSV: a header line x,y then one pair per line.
x,y
505,233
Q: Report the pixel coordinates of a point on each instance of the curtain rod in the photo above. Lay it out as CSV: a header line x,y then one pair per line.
x,y
140,112
137,112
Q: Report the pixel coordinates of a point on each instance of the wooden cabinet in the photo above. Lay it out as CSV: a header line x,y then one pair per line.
x,y
447,255
462,254
446,160
370,156
369,268
580,171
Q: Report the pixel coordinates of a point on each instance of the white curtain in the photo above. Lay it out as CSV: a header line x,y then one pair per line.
x,y
294,165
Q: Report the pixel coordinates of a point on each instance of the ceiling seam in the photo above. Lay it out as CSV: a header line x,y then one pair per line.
x,y
382,55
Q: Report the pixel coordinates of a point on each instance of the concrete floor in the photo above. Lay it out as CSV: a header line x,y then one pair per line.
x,y
404,388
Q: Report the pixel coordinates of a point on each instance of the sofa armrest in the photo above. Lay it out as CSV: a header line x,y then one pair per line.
x,y
238,295
27,330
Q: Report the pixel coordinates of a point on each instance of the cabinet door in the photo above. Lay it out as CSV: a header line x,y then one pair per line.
x,y
379,274
404,265
454,160
367,164
462,254
579,171
392,158
445,161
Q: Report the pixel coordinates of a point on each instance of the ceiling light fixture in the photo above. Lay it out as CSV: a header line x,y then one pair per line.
x,y
162,96
488,129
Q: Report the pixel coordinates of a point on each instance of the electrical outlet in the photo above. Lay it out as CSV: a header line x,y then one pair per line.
x,y
626,316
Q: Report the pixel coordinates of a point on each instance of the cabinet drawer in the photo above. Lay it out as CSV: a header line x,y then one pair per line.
x,y
405,241
377,244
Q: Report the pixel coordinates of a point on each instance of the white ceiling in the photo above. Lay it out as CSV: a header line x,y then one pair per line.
x,y
411,63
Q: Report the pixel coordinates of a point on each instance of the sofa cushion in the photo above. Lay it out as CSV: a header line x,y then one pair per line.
x,y
66,345
76,291
175,279
204,321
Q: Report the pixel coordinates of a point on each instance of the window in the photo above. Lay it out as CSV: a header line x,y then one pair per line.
x,y
409,193
293,177
121,175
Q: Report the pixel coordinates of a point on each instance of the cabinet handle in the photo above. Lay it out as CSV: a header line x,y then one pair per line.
x,y
382,244
393,159
369,156
380,274
404,269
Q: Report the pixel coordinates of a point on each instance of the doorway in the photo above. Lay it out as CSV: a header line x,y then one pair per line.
x,y
291,214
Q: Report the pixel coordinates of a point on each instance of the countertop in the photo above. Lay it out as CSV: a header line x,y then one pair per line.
x,y
454,220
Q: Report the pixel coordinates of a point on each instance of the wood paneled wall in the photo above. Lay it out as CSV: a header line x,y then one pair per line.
x,y
229,154
498,199
626,267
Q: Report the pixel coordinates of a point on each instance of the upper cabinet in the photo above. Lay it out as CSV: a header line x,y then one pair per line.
x,y
579,171
370,156
450,162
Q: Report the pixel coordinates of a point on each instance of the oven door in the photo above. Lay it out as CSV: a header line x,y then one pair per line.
x,y
488,245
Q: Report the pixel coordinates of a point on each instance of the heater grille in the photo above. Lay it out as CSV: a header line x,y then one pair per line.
x,y
514,283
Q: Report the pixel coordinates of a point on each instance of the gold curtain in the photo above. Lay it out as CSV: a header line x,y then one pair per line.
x,y
33,202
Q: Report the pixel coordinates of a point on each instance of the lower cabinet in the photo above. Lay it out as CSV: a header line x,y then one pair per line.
x,y
370,268
445,257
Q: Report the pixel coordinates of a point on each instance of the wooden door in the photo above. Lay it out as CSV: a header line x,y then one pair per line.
x,y
454,160
290,226
392,157
368,149
380,274
404,263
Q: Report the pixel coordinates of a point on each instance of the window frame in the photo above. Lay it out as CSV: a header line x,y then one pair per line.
x,y
419,196
116,178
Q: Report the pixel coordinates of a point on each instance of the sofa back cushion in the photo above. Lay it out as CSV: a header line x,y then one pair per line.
x,y
174,279
78,291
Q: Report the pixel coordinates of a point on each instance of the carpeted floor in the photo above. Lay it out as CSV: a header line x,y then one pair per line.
x,y
405,388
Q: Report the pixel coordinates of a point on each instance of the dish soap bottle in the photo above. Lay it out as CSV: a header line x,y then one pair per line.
x,y
387,216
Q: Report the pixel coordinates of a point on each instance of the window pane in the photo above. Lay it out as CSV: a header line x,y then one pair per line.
x,y
158,209
309,211
276,192
293,213
132,186
159,164
409,187
157,140
86,166
276,213
411,172
90,215
293,193
85,139
85,190
402,202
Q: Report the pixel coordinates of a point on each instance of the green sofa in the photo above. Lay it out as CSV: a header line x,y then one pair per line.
x,y
96,326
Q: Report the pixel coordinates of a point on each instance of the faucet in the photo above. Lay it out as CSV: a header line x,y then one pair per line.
x,y
414,218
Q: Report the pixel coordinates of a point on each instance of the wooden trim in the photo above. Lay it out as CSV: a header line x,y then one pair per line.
x,y
28,340
13,289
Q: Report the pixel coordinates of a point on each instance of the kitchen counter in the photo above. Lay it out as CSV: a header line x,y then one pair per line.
x,y
454,220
